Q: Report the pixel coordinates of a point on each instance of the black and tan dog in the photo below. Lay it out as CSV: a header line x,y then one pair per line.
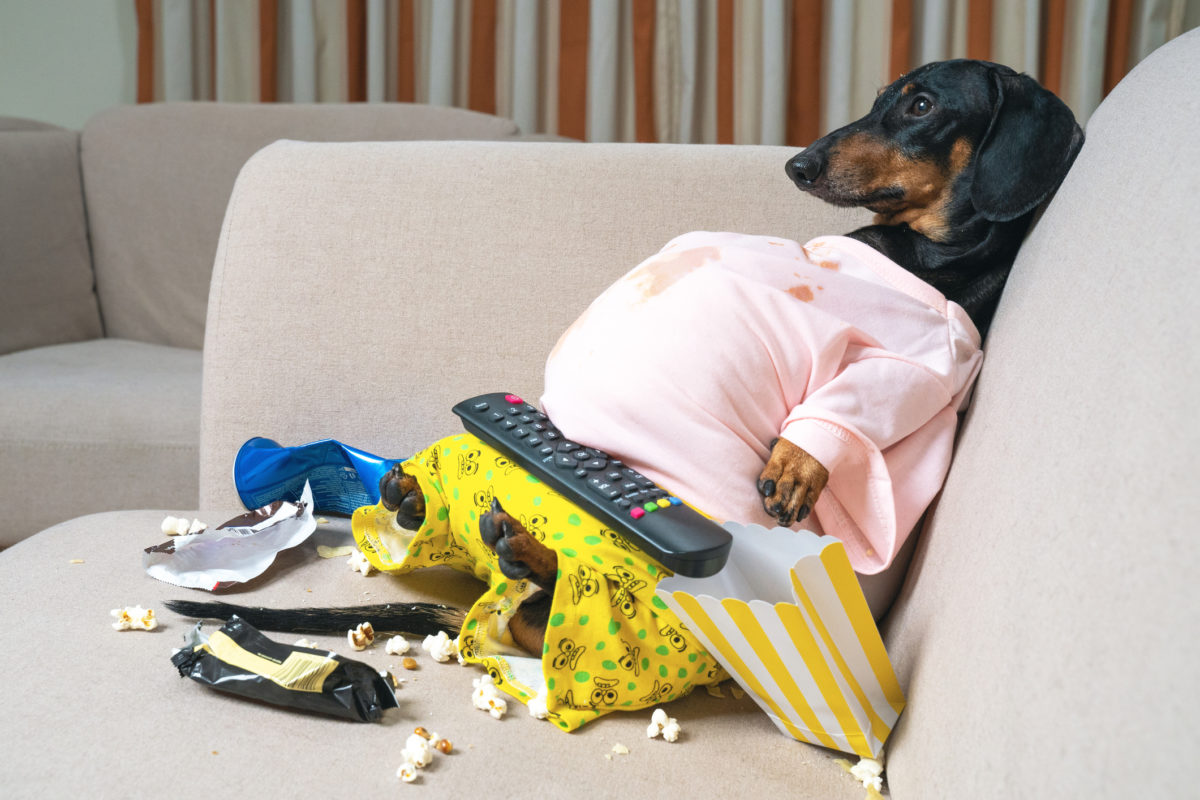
x,y
954,158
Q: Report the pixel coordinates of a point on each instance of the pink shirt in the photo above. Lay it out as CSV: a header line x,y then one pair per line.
x,y
688,366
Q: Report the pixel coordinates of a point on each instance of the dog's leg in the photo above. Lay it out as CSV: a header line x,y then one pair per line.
x,y
400,492
522,556
791,482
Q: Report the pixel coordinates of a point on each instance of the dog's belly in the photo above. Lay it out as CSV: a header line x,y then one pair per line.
x,y
688,384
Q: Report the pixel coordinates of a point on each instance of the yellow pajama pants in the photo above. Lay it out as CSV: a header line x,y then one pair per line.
x,y
610,643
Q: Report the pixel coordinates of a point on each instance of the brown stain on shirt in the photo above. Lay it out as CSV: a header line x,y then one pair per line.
x,y
802,292
658,275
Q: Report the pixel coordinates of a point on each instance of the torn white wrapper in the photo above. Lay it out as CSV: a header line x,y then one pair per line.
x,y
234,553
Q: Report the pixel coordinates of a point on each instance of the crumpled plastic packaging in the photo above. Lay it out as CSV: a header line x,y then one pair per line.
x,y
342,477
241,549
239,660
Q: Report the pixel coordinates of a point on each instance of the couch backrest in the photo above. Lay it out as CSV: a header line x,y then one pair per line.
x,y
1046,634
46,285
158,179
404,277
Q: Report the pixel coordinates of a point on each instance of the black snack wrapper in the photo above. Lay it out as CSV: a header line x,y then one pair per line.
x,y
240,660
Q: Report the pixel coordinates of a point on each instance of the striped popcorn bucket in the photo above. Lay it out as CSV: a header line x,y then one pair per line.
x,y
801,641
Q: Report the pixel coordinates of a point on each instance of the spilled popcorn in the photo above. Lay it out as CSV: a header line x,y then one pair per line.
x,y
306,643
418,753
487,697
179,526
440,647
396,646
869,771
134,618
537,707
359,563
361,637
660,723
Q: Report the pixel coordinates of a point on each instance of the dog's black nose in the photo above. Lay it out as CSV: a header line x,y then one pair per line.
x,y
805,168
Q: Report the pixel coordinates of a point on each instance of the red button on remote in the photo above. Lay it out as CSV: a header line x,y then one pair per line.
x,y
637,513
512,398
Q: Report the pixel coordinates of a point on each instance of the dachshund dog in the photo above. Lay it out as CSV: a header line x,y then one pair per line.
x,y
954,158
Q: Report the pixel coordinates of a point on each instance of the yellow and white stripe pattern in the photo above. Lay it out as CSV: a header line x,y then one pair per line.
x,y
803,644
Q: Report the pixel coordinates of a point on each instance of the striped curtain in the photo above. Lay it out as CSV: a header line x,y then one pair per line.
x,y
711,71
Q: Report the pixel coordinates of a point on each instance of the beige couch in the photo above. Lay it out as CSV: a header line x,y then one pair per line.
x,y
1045,634
107,239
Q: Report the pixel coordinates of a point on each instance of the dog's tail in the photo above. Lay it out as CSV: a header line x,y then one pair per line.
x,y
416,619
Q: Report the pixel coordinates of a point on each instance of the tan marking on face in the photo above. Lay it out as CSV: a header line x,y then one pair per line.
x,y
908,87
869,165
802,292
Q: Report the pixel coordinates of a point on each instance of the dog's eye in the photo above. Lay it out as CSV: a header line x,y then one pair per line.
x,y
921,105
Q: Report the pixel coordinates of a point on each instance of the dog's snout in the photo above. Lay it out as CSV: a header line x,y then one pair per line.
x,y
805,168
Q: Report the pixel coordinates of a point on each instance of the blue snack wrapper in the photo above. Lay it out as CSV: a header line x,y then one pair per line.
x,y
342,478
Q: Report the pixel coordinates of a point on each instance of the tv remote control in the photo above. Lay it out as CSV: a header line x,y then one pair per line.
x,y
656,522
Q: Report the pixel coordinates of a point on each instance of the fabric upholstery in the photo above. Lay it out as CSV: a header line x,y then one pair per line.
x,y
442,289
1044,633
46,286
104,713
103,424
158,178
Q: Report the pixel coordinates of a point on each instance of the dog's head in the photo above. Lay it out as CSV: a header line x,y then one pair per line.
x,y
945,134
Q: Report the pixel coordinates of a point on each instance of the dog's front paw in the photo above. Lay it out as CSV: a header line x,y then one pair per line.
x,y
401,493
519,555
790,483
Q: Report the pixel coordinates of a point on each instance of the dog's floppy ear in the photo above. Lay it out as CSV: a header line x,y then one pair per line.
x,y
1029,146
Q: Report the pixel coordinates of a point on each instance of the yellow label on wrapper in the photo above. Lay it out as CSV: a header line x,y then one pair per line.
x,y
299,672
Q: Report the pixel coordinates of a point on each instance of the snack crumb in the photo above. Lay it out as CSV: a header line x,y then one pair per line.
x,y
737,691
714,690
409,663
76,561
537,707
620,749
407,773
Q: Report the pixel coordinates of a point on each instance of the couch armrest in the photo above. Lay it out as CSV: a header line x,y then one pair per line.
x,y
46,283
360,290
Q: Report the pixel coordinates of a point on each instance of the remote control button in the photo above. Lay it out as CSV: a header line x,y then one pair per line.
x,y
546,450
615,475
675,501
519,433
595,464
525,418
581,473
481,406
533,441
537,426
496,416
508,425
603,488
512,412
564,460
623,503
637,513
551,436
650,507
664,503
581,455
567,447
512,398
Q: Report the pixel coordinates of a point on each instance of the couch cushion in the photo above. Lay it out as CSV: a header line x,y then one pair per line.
x,y
96,425
46,285
158,177
1046,633
178,739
